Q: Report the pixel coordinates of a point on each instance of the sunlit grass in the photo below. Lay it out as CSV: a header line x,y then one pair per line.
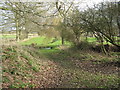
x,y
35,40
7,36
48,41
43,41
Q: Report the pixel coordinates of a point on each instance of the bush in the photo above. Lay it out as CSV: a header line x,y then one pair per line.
x,y
84,45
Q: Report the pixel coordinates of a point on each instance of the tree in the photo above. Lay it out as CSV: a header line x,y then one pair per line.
x,y
74,27
101,20
26,15
63,10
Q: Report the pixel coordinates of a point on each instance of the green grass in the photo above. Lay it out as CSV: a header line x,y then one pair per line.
x,y
7,36
92,39
59,43
35,40
22,85
43,41
89,39
5,79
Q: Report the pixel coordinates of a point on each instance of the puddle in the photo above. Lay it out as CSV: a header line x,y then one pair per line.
x,y
48,48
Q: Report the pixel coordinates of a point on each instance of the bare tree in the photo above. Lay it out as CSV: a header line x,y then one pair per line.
x,y
63,9
101,21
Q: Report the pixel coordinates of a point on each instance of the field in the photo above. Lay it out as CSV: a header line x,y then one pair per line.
x,y
8,36
47,41
62,66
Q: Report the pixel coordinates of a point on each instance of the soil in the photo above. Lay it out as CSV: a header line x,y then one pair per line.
x,y
94,66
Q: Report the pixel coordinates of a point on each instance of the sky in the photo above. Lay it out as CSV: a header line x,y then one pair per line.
x,y
96,1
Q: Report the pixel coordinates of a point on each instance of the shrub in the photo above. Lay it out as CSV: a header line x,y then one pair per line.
x,y
84,45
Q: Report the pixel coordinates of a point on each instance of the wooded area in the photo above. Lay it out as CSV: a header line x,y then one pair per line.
x,y
60,36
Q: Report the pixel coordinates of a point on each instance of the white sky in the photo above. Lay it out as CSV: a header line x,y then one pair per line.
x,y
96,1
90,3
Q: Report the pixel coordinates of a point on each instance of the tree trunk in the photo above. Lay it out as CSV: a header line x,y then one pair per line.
x,y
26,34
17,31
62,38
87,36
118,18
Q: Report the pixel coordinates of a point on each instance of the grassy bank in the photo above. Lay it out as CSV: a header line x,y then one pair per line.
x,y
58,67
